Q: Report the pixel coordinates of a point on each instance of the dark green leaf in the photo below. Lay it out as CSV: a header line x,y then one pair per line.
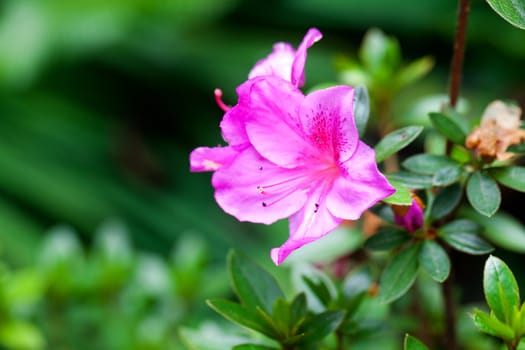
x,y
448,127
446,201
491,325
361,108
281,316
501,289
511,176
427,164
402,195
412,343
241,315
461,225
483,194
500,229
395,141
387,239
434,260
513,11
412,180
447,175
319,326
253,285
399,274
467,242
252,347
298,311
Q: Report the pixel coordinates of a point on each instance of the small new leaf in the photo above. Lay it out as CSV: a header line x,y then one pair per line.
x,y
402,195
491,325
412,343
501,289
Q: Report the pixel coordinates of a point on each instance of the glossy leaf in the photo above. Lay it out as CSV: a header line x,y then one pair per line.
x,y
387,239
427,164
320,289
241,315
483,194
399,274
501,229
511,176
501,289
446,201
361,108
513,11
448,127
491,325
412,343
320,325
402,195
467,243
396,141
447,175
434,260
461,225
254,286
412,180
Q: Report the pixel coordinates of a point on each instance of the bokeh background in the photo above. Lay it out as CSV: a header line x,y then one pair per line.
x,y
101,103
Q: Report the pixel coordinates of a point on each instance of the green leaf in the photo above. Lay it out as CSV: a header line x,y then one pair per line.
x,y
511,176
414,71
320,290
298,311
500,229
253,285
20,335
434,260
448,127
483,194
361,108
319,326
399,274
461,225
241,315
446,201
402,195
396,141
412,180
252,347
466,242
387,239
491,325
501,289
513,11
447,175
412,343
379,53
428,164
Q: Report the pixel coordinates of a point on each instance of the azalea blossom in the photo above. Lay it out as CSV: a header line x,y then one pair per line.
x,y
500,128
410,216
293,156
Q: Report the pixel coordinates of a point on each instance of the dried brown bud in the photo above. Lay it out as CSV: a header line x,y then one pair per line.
x,y
499,129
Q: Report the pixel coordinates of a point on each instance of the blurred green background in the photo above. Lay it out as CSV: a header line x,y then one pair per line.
x,y
100,104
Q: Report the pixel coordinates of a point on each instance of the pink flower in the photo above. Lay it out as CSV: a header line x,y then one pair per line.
x,y
285,62
410,217
294,156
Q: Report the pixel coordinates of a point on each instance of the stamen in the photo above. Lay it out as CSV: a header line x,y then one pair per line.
x,y
260,189
218,99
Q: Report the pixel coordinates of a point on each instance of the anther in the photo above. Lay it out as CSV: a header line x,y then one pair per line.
x,y
218,99
264,204
260,189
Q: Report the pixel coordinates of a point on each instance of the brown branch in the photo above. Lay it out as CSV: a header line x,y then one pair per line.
x,y
459,51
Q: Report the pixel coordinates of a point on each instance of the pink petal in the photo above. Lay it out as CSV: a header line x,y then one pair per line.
x,y
312,36
359,186
211,159
278,63
256,190
312,222
328,120
272,122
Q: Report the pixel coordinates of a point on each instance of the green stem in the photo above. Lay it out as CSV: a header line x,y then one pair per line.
x,y
459,51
